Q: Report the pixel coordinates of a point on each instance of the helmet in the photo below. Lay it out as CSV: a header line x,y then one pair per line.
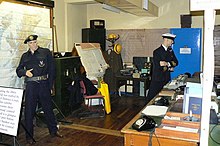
x,y
112,36
117,48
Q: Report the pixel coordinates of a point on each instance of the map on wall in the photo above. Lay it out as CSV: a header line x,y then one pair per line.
x,y
138,42
18,21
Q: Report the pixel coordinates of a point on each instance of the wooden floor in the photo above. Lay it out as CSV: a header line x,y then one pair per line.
x,y
103,131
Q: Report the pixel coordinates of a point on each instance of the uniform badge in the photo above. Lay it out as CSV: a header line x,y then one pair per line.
x,y
165,68
42,64
31,37
173,63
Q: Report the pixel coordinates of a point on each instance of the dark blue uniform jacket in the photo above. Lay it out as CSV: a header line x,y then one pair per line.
x,y
159,72
41,62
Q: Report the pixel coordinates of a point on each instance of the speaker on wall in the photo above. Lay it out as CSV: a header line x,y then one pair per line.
x,y
186,21
90,35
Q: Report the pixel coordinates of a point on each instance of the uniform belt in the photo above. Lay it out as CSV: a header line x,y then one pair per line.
x,y
38,78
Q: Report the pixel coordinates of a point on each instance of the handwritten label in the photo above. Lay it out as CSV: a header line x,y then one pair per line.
x,y
10,105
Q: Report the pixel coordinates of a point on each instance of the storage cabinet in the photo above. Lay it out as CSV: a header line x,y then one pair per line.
x,y
67,69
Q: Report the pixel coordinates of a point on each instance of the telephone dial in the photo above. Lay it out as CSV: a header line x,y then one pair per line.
x,y
144,123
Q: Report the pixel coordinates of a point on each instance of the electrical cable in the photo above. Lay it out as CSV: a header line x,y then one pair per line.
x,y
157,138
150,137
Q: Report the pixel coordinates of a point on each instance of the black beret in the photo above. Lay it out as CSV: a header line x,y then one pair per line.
x,y
30,38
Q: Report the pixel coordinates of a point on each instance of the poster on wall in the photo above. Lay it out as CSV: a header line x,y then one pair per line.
x,y
92,59
18,21
10,105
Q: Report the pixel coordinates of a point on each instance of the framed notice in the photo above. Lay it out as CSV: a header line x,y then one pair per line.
x,y
10,105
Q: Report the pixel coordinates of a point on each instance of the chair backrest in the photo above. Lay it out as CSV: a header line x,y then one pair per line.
x,y
83,87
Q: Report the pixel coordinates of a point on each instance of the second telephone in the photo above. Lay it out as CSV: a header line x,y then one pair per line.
x,y
144,123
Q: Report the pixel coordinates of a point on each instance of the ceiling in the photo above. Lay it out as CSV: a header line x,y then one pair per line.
x,y
159,3
130,6
135,7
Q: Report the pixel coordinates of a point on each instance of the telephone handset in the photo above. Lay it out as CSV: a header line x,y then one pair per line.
x,y
144,123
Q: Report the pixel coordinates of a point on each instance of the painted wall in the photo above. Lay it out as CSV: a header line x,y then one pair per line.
x,y
59,22
69,20
169,17
76,20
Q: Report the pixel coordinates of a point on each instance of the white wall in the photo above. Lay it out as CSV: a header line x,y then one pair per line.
x,y
59,22
169,17
78,16
76,20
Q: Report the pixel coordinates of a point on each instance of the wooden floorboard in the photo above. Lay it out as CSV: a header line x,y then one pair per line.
x,y
94,129
103,131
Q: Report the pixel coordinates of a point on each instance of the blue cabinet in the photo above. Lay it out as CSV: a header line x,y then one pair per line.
x,y
187,48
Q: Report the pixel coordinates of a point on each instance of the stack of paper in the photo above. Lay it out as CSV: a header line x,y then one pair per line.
x,y
155,110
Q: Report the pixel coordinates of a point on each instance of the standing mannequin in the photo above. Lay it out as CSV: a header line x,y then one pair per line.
x,y
37,66
164,62
113,59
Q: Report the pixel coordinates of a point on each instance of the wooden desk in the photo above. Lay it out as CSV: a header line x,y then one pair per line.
x,y
162,137
146,81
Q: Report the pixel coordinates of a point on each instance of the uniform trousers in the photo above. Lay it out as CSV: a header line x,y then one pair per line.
x,y
38,91
154,89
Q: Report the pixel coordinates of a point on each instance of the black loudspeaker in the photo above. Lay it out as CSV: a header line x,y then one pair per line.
x,y
96,24
90,35
186,21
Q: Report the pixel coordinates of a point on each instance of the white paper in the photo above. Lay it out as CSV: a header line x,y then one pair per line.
x,y
185,51
183,129
155,110
92,60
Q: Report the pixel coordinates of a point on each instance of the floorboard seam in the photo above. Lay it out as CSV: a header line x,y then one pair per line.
x,y
93,129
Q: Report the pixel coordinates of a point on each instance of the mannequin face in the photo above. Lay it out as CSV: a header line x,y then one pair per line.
x,y
33,45
167,42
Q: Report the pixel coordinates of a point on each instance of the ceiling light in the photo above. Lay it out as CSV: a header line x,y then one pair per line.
x,y
110,8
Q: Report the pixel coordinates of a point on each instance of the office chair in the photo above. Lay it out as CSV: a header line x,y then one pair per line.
x,y
93,111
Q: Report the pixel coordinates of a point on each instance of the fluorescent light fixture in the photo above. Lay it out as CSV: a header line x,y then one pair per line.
x,y
110,8
145,4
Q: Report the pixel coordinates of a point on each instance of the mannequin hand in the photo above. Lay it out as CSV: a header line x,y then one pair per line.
x,y
171,69
29,73
163,63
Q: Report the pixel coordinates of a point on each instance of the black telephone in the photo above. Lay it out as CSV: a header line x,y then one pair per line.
x,y
144,123
163,101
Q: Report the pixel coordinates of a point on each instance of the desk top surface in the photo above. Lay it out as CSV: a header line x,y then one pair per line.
x,y
131,77
164,133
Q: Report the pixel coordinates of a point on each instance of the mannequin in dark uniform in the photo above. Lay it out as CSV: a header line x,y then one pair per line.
x,y
164,62
37,66
114,60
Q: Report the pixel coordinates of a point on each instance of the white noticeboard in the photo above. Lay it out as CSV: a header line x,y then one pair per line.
x,y
10,105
